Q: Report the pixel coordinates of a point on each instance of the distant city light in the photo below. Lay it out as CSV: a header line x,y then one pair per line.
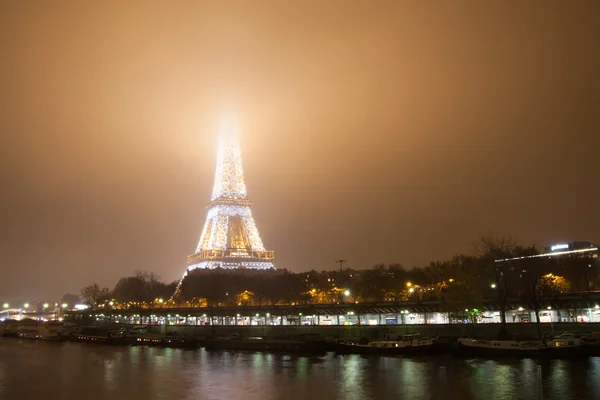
x,y
559,247
411,290
160,301
493,286
5,305
112,303
64,305
26,305
45,305
346,293
81,307
409,284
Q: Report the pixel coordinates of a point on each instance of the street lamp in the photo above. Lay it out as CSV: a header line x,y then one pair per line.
x,y
45,305
411,290
346,293
26,305
493,286
408,284
64,305
5,305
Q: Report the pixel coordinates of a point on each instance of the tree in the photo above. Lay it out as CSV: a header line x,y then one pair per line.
x,y
463,287
374,283
535,278
440,276
552,285
207,284
70,299
143,286
395,287
93,293
282,287
130,289
491,249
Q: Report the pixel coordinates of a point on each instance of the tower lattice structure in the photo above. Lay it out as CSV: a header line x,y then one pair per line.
x,y
230,238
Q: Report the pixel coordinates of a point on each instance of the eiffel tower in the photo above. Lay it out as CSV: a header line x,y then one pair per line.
x,y
229,238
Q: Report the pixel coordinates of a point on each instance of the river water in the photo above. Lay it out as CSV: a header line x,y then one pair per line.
x,y
32,370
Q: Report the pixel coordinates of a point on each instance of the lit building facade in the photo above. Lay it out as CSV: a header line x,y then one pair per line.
x,y
572,250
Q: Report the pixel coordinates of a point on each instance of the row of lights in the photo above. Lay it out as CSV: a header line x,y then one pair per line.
x,y
46,305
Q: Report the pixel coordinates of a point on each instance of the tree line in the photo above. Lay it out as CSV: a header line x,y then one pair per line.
x,y
464,281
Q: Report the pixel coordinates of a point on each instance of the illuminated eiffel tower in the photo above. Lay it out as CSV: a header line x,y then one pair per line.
x,y
229,238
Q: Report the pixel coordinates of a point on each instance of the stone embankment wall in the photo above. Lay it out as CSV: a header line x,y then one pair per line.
x,y
482,331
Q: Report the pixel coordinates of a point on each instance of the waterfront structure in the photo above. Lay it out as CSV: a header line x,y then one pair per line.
x,y
230,238
557,251
579,308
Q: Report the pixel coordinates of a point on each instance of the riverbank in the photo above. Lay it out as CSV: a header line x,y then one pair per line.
x,y
446,331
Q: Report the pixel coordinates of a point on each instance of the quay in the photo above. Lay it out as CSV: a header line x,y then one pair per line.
x,y
577,313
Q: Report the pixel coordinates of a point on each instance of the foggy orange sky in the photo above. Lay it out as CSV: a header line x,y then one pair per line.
x,y
378,132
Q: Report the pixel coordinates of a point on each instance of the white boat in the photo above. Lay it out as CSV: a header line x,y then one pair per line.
x,y
40,330
555,347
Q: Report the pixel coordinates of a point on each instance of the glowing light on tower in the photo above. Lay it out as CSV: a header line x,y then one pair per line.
x,y
229,238
229,174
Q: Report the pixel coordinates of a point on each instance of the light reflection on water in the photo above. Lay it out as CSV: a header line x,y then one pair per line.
x,y
31,370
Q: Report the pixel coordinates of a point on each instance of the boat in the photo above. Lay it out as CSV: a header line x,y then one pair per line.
x,y
97,335
171,340
557,347
180,342
391,345
41,330
286,345
10,328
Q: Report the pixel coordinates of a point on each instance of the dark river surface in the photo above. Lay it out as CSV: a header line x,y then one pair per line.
x,y
31,370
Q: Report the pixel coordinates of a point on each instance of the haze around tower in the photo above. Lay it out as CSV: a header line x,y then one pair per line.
x,y
394,132
228,128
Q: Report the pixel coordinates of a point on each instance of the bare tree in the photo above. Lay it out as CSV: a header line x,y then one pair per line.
x,y
492,248
93,293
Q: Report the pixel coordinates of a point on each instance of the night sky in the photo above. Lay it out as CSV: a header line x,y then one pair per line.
x,y
374,131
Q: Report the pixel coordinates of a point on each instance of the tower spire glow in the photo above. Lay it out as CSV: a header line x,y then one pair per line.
x,y
230,238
